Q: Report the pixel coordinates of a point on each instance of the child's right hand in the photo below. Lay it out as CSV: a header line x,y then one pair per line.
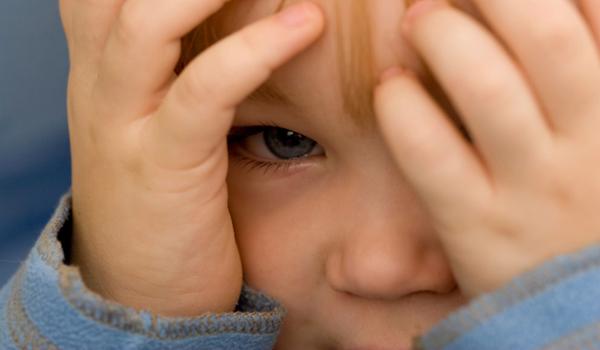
x,y
151,224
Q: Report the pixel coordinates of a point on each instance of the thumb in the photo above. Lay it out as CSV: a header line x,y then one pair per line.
x,y
198,110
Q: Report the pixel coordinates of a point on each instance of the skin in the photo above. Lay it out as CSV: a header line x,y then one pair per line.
x,y
303,242
371,243
386,265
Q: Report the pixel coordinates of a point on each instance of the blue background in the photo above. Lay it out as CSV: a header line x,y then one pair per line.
x,y
34,153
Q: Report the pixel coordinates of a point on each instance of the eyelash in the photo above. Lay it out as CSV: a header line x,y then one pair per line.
x,y
266,167
236,135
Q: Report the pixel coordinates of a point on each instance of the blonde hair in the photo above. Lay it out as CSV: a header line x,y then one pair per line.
x,y
354,54
355,61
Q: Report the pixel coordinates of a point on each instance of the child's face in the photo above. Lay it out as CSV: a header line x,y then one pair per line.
x,y
337,236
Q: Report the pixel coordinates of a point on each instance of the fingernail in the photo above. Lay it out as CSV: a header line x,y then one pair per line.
x,y
416,10
390,74
297,15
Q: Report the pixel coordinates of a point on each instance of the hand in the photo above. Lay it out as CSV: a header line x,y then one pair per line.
x,y
151,224
527,189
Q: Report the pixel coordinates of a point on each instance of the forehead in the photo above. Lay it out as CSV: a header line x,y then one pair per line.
x,y
336,75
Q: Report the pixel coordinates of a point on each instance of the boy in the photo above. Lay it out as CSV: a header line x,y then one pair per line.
x,y
366,244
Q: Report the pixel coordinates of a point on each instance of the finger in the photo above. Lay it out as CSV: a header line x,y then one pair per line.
x,y
197,113
86,24
434,157
558,55
591,11
143,48
485,86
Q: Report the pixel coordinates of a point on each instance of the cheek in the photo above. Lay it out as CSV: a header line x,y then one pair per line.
x,y
282,251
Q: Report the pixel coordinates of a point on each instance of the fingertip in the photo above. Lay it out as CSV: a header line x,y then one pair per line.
x,y
392,82
301,14
414,11
390,73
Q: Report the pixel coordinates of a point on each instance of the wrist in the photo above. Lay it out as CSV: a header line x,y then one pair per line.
x,y
168,287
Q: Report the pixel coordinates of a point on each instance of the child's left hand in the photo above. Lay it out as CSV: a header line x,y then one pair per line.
x,y
529,95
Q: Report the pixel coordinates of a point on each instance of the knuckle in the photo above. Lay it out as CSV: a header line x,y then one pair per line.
x,y
492,85
248,40
557,185
131,22
487,86
195,87
554,35
251,44
428,152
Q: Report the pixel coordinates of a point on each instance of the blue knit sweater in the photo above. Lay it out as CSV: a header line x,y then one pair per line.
x,y
46,306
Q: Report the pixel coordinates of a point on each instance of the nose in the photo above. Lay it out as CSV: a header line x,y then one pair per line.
x,y
383,268
389,251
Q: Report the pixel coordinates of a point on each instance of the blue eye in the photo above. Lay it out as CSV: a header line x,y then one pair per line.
x,y
272,144
287,144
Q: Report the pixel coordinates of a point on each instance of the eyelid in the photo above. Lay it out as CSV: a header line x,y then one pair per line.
x,y
237,133
250,161
240,135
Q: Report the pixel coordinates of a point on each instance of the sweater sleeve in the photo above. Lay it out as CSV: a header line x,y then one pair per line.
x,y
46,305
554,307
